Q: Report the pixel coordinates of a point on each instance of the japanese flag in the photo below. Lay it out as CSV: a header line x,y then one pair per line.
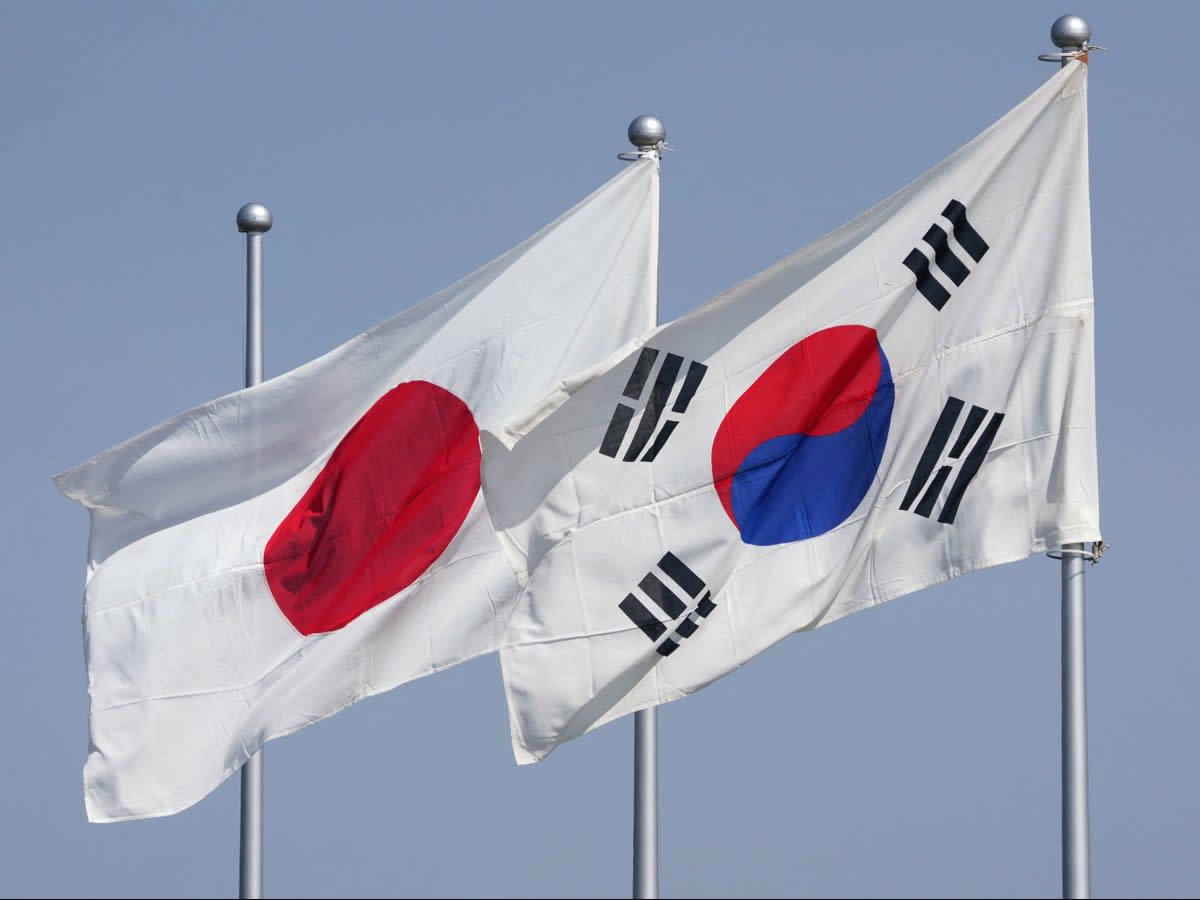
x,y
260,562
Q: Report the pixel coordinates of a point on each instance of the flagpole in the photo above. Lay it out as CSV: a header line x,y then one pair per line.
x,y
1071,33
253,220
647,134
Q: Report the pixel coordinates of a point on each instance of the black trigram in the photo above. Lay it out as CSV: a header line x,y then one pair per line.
x,y
944,257
656,405
967,468
662,591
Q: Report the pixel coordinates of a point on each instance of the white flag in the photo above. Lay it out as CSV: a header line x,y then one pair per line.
x,y
908,399
262,561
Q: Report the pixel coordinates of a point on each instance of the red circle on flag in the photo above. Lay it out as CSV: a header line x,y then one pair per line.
x,y
386,505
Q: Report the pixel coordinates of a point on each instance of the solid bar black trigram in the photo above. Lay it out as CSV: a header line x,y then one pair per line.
x,y
667,594
653,430
928,488
944,257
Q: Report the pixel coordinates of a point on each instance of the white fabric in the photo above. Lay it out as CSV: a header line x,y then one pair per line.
x,y
1016,337
191,665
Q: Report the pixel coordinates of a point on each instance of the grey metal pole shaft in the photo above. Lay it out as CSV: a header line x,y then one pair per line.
x,y
253,220
647,134
250,867
254,313
1071,33
1076,863
645,803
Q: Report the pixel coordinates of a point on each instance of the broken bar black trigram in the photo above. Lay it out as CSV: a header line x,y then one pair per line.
x,y
657,422
663,585
944,257
968,468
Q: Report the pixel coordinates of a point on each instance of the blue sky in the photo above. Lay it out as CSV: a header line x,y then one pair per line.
x,y
911,751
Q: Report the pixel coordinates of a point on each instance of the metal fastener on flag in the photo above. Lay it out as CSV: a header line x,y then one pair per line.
x,y
1093,555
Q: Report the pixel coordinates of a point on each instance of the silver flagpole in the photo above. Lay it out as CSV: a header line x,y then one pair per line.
x,y
253,220
645,803
1071,34
647,134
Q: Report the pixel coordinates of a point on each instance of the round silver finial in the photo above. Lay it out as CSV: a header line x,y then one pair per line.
x,y
1070,31
254,218
647,131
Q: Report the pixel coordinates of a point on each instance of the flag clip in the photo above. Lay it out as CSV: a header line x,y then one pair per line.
x,y
1093,555
1061,55
654,152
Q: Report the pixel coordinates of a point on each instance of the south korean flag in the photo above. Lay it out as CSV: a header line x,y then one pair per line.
x,y
896,404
